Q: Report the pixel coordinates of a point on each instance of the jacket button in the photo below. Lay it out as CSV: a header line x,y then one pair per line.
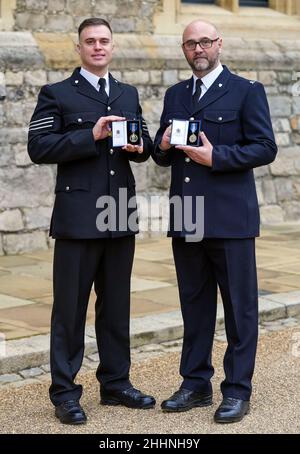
x,y
108,108
79,120
187,159
220,118
76,81
187,179
67,188
112,172
192,118
111,151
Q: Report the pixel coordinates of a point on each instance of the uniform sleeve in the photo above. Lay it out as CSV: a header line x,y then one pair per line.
x,y
162,158
147,142
258,147
47,141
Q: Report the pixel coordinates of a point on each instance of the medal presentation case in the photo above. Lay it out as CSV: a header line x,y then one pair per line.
x,y
126,132
185,132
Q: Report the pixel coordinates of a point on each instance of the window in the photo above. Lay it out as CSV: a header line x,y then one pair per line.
x,y
206,2
254,3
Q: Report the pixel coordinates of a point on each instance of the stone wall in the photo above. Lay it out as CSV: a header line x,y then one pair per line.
x,y
125,16
152,64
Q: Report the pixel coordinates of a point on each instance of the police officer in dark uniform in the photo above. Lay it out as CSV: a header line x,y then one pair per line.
x,y
237,136
71,127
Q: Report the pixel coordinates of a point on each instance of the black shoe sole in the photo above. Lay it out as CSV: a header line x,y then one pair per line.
x,y
230,420
115,402
73,423
206,403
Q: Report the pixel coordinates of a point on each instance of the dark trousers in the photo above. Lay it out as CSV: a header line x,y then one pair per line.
x,y
200,267
78,264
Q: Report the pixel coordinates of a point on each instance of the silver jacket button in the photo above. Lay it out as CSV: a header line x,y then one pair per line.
x,y
187,179
187,159
79,120
108,108
111,151
220,118
112,172
67,188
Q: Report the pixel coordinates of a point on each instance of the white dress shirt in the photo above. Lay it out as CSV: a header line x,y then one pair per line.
x,y
93,79
208,80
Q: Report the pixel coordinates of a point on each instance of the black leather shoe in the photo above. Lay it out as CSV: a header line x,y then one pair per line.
x,y
231,410
185,399
131,397
70,412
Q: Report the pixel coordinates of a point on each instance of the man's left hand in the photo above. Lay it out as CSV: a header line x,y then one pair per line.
x,y
201,155
134,148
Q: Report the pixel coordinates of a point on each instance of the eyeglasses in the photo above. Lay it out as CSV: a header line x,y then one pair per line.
x,y
204,43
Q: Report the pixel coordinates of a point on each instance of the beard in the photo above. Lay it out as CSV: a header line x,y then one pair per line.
x,y
203,63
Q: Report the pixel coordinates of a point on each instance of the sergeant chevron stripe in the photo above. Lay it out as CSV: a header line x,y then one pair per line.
x,y
46,122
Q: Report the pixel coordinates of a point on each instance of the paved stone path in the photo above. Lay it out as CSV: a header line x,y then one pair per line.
x,y
26,280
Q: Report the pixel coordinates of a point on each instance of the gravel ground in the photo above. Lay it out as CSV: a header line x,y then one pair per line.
x,y
275,405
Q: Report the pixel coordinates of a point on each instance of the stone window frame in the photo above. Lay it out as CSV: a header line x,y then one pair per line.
x,y
289,7
7,20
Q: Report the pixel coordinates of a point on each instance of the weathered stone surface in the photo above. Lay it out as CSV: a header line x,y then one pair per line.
x,y
104,7
284,189
36,5
22,158
271,214
11,221
30,187
282,139
32,21
282,125
286,163
36,78
24,242
170,77
291,210
280,106
267,77
269,193
37,218
14,114
59,23
14,78
6,156
32,372
123,25
55,5
138,77
155,77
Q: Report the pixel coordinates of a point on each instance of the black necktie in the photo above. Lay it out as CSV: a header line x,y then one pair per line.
x,y
197,94
102,83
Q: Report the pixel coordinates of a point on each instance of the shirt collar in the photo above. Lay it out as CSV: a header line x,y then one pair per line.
x,y
210,78
93,79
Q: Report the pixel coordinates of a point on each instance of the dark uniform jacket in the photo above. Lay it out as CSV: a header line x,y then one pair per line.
x,y
236,120
60,132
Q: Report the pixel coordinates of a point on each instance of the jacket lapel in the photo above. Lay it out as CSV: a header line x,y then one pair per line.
x,y
115,90
86,89
218,89
186,95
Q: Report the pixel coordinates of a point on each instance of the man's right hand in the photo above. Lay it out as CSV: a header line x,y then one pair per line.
x,y
165,141
102,128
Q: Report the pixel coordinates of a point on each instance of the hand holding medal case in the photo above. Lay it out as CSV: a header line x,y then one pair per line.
x,y
126,132
186,132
